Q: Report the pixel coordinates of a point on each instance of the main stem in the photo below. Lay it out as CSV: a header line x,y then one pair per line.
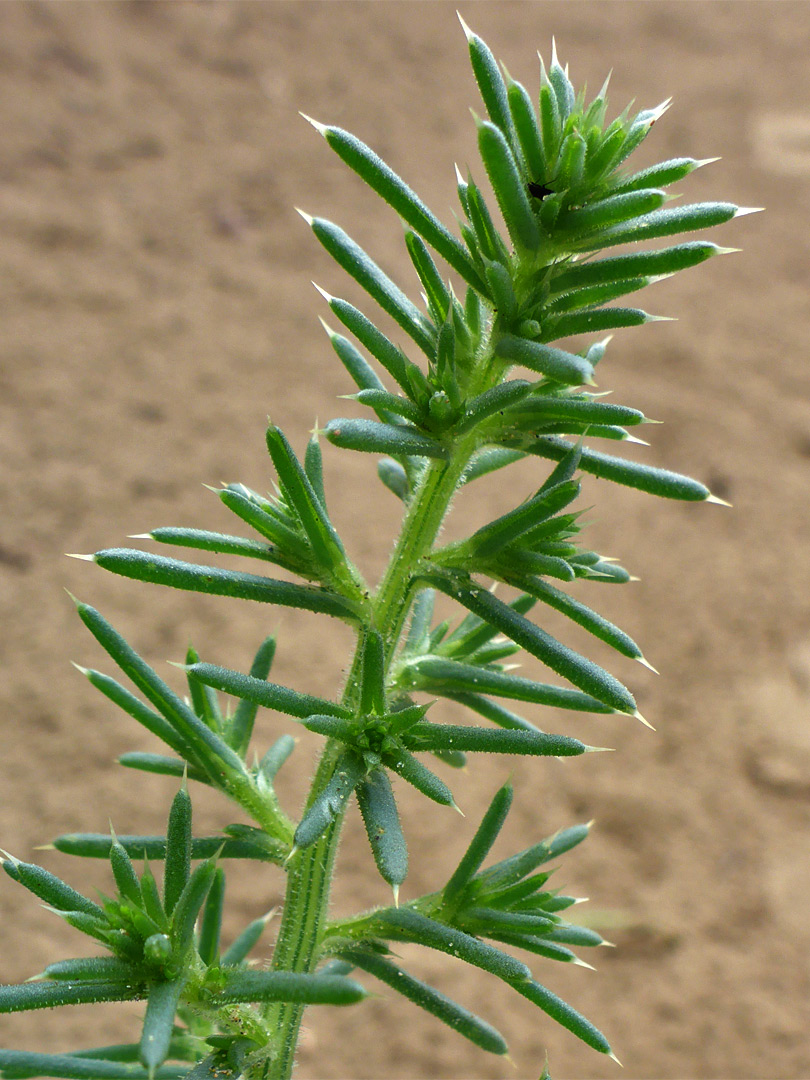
x,y
310,870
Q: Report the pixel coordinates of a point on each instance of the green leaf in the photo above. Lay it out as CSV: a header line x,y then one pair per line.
x,y
270,695
664,222
648,478
202,540
491,538
245,941
564,1014
527,129
351,257
486,239
31,995
412,770
490,81
384,403
203,699
275,758
496,713
127,701
583,673
178,850
158,1023
490,460
208,748
126,880
526,862
97,846
584,616
189,903
211,923
393,190
288,545
379,811
288,986
571,162
323,539
594,320
214,580
612,210
48,887
660,175
352,359
508,186
330,802
579,407
395,478
404,924
21,1064
162,765
491,401
372,690
550,122
376,438
94,969
240,728
491,741
479,847
556,364
313,467
438,295
466,1023
561,84
650,264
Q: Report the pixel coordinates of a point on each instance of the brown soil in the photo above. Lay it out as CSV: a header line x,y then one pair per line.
x,y
156,304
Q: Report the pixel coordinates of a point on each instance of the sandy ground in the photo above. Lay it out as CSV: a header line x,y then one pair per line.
x,y
156,305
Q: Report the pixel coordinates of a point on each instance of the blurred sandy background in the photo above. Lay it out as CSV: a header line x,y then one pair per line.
x,y
156,305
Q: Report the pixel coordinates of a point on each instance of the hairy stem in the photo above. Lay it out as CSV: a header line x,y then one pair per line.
x,y
310,870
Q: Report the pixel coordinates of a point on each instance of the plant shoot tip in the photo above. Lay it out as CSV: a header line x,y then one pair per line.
x,y
84,558
307,217
717,500
646,663
613,1056
741,211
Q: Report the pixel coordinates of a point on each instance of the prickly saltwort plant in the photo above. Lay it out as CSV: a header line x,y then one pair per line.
x,y
559,173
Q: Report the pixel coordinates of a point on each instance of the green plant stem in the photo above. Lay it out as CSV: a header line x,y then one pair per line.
x,y
310,871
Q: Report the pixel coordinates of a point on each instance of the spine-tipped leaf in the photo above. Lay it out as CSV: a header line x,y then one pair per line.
x,y
381,819
214,580
557,364
407,204
404,924
466,1023
178,850
648,478
509,187
323,539
351,257
330,803
373,437
485,836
